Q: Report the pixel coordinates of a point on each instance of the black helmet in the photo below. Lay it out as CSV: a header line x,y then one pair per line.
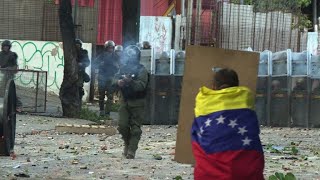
x,y
109,44
146,45
6,43
133,52
118,48
78,41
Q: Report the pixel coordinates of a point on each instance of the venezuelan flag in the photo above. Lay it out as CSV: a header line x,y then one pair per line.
x,y
225,136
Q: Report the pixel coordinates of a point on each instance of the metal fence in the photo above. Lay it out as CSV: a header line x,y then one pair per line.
x,y
39,21
262,25
31,87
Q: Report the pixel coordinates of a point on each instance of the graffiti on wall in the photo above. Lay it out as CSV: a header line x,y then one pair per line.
x,y
156,30
44,56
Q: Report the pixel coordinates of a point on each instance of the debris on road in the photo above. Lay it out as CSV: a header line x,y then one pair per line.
x,y
99,156
21,174
89,129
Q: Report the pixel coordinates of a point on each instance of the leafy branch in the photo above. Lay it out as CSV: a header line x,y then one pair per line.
x,y
289,6
281,176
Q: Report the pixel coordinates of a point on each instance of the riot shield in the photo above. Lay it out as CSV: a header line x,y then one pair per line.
x,y
262,88
279,102
146,55
280,65
299,101
148,107
163,64
314,116
314,67
299,96
279,89
160,90
160,100
314,113
262,100
264,63
175,100
179,63
299,64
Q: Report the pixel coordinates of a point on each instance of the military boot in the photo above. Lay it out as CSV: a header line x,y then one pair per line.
x,y
107,114
102,113
131,155
125,150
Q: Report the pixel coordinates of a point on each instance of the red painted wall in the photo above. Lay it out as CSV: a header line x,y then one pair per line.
x,y
110,16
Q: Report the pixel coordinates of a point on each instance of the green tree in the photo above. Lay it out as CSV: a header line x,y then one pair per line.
x,y
276,5
289,6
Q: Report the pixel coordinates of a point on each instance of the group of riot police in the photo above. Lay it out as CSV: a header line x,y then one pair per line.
x,y
108,64
119,71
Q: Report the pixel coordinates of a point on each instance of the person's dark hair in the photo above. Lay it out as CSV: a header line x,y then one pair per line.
x,y
225,78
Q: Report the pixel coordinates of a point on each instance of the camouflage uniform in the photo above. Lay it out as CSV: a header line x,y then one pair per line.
x,y
132,102
9,61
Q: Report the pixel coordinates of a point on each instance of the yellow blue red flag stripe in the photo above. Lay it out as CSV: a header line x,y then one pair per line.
x,y
225,135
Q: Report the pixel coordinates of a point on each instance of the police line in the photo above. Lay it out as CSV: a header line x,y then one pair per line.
x,y
288,87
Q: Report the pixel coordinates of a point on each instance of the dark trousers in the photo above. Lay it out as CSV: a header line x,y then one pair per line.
x,y
105,88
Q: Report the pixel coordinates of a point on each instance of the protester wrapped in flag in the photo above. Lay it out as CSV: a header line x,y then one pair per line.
x,y
225,132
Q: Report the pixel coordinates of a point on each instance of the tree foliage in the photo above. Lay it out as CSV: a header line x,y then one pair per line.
x,y
288,6
276,5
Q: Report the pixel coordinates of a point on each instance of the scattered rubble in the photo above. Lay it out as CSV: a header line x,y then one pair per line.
x,y
86,129
99,156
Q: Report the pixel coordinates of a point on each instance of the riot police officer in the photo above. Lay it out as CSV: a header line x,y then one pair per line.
x,y
118,50
300,85
9,61
83,63
108,67
131,80
275,86
146,45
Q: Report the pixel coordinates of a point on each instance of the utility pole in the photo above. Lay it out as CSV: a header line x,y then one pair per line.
x,y
75,15
314,7
183,5
75,12
197,36
189,21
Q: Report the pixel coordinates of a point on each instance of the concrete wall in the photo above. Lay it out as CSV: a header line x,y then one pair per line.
x,y
45,56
